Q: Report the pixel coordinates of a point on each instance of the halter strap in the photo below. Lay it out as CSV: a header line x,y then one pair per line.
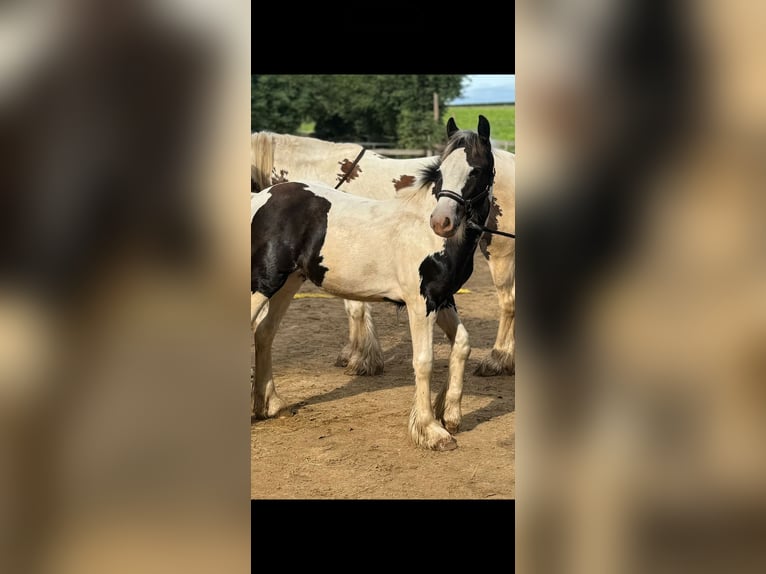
x,y
468,205
452,195
351,169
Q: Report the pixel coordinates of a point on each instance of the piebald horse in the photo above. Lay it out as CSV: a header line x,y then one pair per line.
x,y
277,157
303,231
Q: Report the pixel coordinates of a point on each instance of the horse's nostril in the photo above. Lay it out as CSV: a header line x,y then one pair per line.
x,y
447,223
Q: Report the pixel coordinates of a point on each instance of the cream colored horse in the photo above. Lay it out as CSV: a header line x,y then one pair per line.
x,y
278,157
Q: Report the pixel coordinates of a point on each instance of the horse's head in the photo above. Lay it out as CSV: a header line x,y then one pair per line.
x,y
463,179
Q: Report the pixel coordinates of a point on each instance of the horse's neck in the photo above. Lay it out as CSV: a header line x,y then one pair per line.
x,y
445,271
419,201
385,178
420,204
504,189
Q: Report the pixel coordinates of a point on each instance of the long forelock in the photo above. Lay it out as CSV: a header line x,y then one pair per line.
x,y
469,140
460,139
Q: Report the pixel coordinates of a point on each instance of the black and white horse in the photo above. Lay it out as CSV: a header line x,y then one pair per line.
x,y
276,158
308,231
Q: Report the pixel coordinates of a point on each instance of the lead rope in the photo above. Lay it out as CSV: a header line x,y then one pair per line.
x,y
485,229
351,170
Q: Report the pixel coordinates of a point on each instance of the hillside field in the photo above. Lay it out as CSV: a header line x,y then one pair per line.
x,y
502,119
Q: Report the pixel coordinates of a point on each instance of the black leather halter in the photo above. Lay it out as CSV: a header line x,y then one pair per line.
x,y
468,205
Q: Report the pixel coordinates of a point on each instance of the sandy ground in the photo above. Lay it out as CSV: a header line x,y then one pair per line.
x,y
348,436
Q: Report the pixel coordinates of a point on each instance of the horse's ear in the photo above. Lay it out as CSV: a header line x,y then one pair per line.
x,y
451,127
483,127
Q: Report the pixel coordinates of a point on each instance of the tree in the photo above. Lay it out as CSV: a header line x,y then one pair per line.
x,y
417,129
362,107
277,103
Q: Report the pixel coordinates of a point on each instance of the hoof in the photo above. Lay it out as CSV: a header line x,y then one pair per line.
x,y
430,436
363,368
276,409
452,428
495,365
282,413
366,361
344,355
446,444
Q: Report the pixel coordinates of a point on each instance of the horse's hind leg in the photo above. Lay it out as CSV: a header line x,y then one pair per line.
x,y
362,354
502,358
258,301
266,401
354,310
447,403
259,305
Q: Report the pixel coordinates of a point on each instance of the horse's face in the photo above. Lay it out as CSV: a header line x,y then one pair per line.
x,y
464,190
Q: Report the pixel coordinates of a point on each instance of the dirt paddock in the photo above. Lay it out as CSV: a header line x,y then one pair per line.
x,y
348,436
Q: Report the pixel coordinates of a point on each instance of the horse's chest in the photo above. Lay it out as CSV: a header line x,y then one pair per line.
x,y
443,273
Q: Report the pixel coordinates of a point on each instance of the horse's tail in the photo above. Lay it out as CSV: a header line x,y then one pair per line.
x,y
261,160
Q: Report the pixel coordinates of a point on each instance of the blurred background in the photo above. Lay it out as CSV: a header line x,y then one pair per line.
x,y
641,264
124,345
641,370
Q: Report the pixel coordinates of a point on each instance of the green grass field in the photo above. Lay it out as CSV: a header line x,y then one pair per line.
x,y
502,119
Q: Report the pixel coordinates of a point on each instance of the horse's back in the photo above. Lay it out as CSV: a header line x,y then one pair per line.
x,y
299,205
337,239
385,178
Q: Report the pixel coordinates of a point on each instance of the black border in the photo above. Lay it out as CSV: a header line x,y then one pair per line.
x,y
434,526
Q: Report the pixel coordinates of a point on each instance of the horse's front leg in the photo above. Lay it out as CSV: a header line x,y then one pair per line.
x,y
447,404
362,354
502,358
425,430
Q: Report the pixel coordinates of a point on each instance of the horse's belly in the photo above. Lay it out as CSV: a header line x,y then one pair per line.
x,y
359,277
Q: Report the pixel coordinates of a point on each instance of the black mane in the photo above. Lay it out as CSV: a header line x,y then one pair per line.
x,y
431,173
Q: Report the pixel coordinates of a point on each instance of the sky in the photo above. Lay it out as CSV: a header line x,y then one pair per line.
x,y
488,89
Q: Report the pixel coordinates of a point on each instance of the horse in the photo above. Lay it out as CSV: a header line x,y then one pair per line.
x,y
303,231
277,157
